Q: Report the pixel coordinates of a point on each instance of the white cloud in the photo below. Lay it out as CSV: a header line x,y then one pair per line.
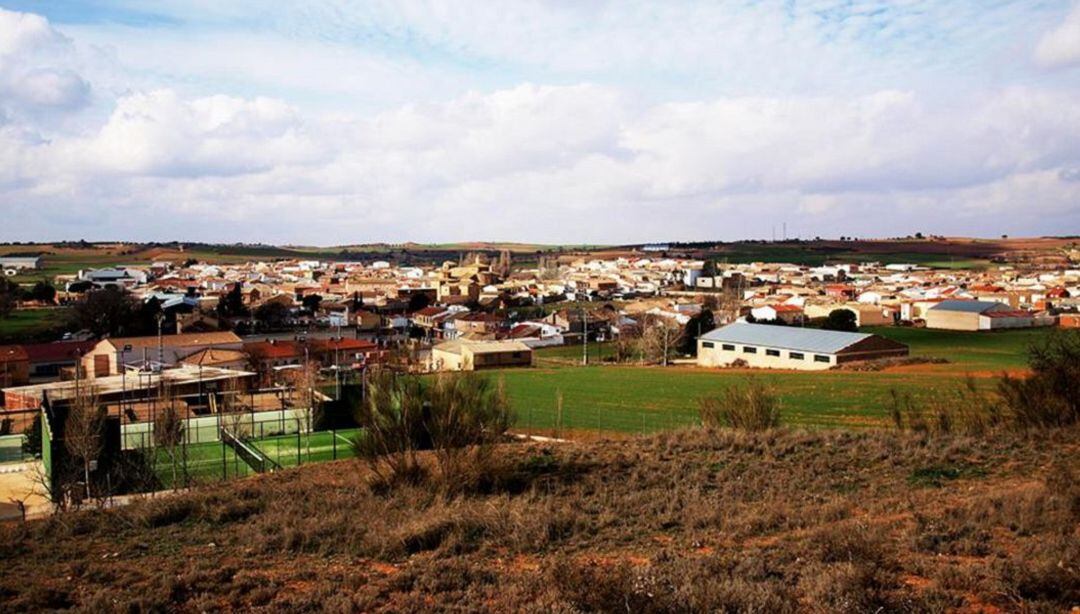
x,y
35,72
1061,46
596,160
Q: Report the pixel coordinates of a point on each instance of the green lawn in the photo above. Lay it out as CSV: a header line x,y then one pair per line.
x,y
572,353
29,322
635,399
994,351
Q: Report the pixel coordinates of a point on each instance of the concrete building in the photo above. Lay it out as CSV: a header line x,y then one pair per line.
x,y
785,347
979,315
104,359
12,265
14,365
461,355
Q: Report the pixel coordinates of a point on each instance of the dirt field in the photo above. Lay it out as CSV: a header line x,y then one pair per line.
x,y
690,521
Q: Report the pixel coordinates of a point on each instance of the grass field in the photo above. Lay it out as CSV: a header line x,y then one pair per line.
x,y
25,323
994,351
645,399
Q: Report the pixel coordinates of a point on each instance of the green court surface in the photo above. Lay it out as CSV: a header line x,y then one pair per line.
x,y
213,461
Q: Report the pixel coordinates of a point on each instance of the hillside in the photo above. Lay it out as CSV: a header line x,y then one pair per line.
x,y
781,521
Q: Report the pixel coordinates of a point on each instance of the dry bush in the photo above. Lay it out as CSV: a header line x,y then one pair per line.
x,y
964,410
752,407
774,521
1050,397
1047,399
458,416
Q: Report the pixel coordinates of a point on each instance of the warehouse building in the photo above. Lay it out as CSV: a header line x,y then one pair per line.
x,y
785,347
980,315
462,355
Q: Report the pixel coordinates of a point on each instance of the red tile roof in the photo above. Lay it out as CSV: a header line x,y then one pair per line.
x,y
263,350
61,351
12,353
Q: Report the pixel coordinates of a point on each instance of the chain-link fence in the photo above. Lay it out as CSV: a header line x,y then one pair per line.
x,y
555,423
225,446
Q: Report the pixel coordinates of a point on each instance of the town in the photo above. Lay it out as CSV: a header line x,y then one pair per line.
x,y
252,334
545,306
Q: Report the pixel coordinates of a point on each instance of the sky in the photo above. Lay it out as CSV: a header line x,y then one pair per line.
x,y
326,122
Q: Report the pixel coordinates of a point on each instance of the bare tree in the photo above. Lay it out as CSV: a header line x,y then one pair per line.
x,y
660,339
169,429
727,306
83,436
308,407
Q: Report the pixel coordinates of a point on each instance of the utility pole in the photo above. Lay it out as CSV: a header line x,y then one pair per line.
x,y
160,346
584,337
664,327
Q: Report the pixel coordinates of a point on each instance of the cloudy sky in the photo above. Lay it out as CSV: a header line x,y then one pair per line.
x,y
332,122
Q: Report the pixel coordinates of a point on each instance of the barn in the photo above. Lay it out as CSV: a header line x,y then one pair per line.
x,y
979,315
787,347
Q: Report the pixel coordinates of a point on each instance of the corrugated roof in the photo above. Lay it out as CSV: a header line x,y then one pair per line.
x,y
786,337
966,306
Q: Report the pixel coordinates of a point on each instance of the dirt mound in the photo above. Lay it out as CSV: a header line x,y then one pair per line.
x,y
685,521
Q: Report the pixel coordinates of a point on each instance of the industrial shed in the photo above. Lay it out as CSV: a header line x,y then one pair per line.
x,y
462,355
786,347
980,315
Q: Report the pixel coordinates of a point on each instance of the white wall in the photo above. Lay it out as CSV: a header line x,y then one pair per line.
x,y
717,356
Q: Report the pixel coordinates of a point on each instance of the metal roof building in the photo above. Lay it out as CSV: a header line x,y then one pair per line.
x,y
789,347
969,306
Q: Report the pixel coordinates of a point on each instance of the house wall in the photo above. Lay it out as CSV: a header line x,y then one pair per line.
x,y
446,361
14,373
952,320
493,360
988,323
717,356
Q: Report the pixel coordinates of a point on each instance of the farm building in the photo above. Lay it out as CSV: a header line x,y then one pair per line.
x,y
462,355
980,315
11,265
786,347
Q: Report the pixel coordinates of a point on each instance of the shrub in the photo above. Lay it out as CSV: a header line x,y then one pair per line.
x,y
458,416
1050,397
752,407
965,410
393,428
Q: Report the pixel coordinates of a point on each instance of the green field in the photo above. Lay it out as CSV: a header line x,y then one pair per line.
x,y
994,351
566,354
637,399
26,323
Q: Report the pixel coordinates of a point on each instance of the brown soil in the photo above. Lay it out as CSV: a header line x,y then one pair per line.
x,y
686,521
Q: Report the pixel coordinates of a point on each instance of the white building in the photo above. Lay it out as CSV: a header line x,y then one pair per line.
x,y
787,347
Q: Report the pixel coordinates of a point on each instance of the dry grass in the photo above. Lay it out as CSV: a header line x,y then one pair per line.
x,y
691,521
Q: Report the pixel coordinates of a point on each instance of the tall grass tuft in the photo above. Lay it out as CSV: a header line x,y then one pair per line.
x,y
965,410
459,417
751,407
1049,398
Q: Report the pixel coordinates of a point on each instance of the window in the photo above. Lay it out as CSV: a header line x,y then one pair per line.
x,y
728,347
707,344
796,356
749,349
820,358
517,354
772,353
